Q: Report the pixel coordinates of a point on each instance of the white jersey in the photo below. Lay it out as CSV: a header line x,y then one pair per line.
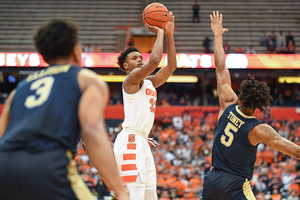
x,y
139,108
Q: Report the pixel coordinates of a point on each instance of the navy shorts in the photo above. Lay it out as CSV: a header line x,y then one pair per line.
x,y
47,175
220,185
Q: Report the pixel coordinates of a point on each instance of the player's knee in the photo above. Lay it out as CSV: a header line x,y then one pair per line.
x,y
150,194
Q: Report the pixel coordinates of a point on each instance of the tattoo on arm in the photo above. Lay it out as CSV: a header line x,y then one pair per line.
x,y
275,138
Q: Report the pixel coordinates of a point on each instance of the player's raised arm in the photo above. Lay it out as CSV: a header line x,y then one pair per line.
x,y
165,72
138,74
91,116
4,119
226,95
266,134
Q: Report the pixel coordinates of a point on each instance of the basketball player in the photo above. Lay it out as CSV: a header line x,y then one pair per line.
x,y
132,151
238,132
43,120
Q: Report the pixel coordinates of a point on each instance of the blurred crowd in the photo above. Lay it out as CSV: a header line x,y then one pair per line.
x,y
183,156
196,94
273,43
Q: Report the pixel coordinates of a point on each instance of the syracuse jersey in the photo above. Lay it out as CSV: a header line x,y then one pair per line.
x,y
139,108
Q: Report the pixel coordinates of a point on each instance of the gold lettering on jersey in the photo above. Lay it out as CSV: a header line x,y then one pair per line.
x,y
235,120
48,71
151,92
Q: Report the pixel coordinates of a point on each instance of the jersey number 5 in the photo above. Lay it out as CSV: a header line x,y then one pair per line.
x,y
229,127
42,88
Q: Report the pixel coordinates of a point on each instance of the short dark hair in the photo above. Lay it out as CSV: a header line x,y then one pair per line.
x,y
123,54
254,94
56,39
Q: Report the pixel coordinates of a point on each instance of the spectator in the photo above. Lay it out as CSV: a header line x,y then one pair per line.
x,y
274,183
130,42
101,189
271,47
293,196
284,132
281,40
177,122
239,49
287,179
250,50
206,44
298,178
273,37
196,15
268,155
261,186
289,38
96,49
275,195
294,187
291,47
226,47
263,39
88,48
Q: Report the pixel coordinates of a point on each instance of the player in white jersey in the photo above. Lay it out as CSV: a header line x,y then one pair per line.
x,y
132,151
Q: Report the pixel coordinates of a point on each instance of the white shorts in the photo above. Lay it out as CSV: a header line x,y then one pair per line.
x,y
134,157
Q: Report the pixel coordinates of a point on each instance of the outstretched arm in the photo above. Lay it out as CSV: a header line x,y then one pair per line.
x,y
138,74
226,95
266,134
165,72
4,119
91,117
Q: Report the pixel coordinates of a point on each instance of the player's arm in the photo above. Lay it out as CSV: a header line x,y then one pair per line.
x,y
165,72
138,74
226,95
4,119
91,116
266,134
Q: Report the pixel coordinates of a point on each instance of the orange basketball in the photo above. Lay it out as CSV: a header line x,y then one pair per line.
x,y
156,14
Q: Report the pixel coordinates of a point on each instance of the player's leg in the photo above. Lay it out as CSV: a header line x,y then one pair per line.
x,y
45,175
136,189
150,193
209,190
246,193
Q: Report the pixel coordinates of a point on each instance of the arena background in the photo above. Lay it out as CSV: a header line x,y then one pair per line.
x,y
107,27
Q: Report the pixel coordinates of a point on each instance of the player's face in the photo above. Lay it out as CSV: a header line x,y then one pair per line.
x,y
134,60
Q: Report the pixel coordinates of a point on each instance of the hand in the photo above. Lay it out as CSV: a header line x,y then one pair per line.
x,y
169,28
216,24
153,29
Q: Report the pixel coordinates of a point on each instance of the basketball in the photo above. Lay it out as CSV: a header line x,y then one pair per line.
x,y
156,14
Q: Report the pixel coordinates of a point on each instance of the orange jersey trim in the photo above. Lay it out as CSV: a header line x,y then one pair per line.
x,y
128,167
129,156
131,146
127,179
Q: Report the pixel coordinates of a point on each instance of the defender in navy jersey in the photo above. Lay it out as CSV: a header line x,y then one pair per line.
x,y
238,132
44,118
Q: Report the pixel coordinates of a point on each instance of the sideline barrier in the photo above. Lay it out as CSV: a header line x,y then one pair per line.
x,y
208,112
184,60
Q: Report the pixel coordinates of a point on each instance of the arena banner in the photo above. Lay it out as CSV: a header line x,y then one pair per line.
x,y
184,60
207,112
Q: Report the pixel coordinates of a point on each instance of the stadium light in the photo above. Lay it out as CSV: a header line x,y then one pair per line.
x,y
289,79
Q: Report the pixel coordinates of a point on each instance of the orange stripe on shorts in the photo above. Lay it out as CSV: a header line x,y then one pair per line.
x,y
129,178
129,156
128,167
131,146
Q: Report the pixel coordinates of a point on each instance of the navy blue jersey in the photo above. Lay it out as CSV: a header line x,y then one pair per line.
x,y
232,152
44,111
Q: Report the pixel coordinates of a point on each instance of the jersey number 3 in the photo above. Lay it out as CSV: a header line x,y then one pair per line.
x,y
153,105
42,88
228,141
